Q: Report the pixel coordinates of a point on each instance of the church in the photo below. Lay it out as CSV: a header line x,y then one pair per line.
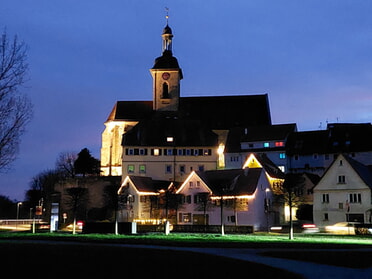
x,y
170,136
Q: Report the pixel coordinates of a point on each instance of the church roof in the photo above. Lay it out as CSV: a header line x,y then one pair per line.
x,y
167,61
154,131
216,112
130,110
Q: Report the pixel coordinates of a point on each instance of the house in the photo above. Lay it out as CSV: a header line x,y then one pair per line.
x,y
139,199
343,193
314,151
269,140
248,196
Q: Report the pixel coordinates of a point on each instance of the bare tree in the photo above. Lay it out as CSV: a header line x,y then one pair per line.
x,y
15,108
65,164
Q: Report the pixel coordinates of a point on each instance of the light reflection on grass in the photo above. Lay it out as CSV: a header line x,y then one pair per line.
x,y
198,239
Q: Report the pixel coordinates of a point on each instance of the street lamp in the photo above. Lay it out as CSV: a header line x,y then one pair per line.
x,y
18,205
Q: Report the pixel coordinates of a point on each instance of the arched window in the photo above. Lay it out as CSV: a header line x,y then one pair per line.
x,y
165,91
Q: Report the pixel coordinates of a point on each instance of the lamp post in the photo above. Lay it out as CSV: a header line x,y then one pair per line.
x,y
18,205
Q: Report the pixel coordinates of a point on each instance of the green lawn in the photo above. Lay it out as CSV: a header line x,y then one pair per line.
x,y
208,240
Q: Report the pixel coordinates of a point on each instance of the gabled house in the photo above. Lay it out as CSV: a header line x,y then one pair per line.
x,y
344,193
139,199
247,196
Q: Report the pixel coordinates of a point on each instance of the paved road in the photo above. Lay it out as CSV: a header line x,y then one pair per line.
x,y
306,269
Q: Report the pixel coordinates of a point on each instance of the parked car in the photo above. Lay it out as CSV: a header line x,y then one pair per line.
x,y
341,228
79,226
298,227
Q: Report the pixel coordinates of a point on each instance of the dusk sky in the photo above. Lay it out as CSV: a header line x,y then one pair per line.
x,y
312,57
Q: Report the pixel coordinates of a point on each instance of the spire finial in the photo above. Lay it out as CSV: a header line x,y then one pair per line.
x,y
167,14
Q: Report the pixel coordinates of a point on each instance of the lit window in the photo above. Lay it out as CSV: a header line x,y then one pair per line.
x,y
266,144
282,155
142,168
279,143
169,139
130,168
156,152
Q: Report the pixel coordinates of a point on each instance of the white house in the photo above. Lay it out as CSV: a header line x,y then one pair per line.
x,y
343,193
247,194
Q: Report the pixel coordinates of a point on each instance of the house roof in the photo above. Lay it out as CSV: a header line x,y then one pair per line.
x,y
216,112
364,172
147,184
338,138
237,135
184,131
234,182
269,166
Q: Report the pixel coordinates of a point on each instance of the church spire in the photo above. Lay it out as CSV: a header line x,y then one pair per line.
x,y
167,35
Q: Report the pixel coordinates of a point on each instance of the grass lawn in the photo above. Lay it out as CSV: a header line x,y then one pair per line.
x,y
84,260
263,240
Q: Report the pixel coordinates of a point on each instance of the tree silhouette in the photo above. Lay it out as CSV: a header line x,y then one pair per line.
x,y
86,164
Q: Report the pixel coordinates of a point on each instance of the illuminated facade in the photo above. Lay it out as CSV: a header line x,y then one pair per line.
x,y
344,193
199,126
248,194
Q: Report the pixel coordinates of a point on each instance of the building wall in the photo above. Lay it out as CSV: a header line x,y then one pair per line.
x,y
154,161
111,148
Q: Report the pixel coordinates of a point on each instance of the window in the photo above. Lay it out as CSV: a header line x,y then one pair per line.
x,y
130,168
207,152
198,183
180,152
355,198
341,179
340,163
279,143
168,169
184,217
143,151
182,169
196,152
169,152
325,217
266,144
188,152
296,157
130,151
315,156
281,155
169,139
155,152
201,167
191,184
165,91
142,169
325,198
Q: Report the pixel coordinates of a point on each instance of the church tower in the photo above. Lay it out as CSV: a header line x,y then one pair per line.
x,y
166,75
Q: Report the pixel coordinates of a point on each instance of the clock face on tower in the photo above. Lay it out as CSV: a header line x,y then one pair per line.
x,y
165,75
